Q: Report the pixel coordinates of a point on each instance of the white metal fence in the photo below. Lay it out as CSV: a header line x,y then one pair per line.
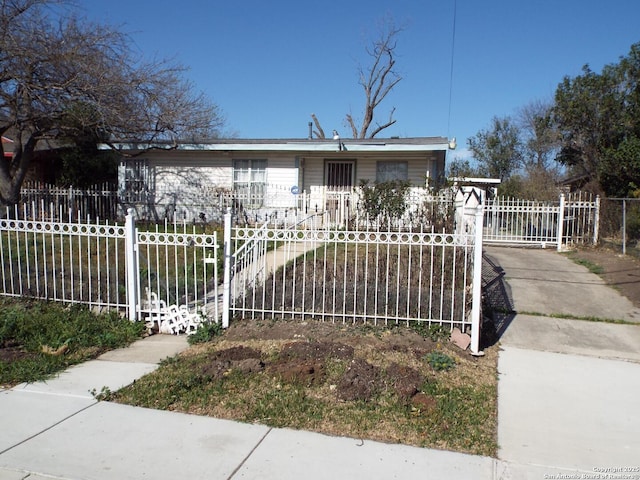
x,y
573,219
169,273
363,276
67,262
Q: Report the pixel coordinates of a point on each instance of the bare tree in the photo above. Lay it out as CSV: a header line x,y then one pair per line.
x,y
377,80
540,137
318,132
62,76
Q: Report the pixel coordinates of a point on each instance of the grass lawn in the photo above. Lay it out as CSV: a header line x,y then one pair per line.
x,y
39,339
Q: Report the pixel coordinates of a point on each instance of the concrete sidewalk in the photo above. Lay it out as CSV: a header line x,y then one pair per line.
x,y
568,389
567,403
56,429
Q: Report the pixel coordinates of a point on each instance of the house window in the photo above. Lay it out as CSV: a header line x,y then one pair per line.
x,y
135,181
249,182
388,171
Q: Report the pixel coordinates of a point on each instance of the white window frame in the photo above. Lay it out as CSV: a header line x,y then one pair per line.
x,y
135,180
250,181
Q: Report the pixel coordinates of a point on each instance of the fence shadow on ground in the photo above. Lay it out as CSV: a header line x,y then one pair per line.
x,y
497,302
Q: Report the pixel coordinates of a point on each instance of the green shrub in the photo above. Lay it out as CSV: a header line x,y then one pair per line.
x,y
384,199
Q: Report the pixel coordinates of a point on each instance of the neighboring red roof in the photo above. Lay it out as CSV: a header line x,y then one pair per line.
x,y
7,154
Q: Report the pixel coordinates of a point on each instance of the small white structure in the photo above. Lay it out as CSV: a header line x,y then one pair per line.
x,y
471,192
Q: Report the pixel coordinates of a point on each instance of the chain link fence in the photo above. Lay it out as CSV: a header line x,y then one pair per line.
x,y
620,225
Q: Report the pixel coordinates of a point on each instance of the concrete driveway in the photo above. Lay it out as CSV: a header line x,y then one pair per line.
x,y
569,388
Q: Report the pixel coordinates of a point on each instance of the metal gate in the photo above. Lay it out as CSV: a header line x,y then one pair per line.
x,y
177,281
570,220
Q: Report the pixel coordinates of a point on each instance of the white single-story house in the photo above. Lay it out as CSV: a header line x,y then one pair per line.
x,y
193,180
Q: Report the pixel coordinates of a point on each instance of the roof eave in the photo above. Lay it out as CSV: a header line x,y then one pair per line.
x,y
344,145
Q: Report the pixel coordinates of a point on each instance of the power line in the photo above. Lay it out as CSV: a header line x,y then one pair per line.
x,y
453,45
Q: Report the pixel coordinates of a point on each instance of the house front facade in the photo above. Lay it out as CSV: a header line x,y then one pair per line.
x,y
194,182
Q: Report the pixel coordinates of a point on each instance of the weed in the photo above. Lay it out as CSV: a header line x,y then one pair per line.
x,y
583,318
438,332
440,361
104,395
592,267
206,332
435,332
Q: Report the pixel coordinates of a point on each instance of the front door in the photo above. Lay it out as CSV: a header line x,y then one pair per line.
x,y
338,180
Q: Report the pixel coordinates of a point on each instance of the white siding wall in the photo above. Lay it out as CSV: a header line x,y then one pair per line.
x,y
419,168
184,184
282,174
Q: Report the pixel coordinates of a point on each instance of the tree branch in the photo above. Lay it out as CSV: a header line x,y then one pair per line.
x,y
319,132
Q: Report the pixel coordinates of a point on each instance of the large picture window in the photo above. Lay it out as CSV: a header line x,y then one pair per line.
x,y
387,171
249,181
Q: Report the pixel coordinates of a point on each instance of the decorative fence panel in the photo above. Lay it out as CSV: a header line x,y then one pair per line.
x,y
178,273
168,274
67,262
366,276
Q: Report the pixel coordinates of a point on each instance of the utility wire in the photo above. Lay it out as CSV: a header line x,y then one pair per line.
x,y
453,45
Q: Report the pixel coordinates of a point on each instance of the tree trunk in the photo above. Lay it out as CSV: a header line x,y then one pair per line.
x,y
13,171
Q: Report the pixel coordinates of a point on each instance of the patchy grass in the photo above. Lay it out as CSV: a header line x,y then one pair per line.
x,y
361,382
39,339
592,267
578,317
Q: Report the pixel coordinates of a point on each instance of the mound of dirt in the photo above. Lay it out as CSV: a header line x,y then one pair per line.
x,y
298,352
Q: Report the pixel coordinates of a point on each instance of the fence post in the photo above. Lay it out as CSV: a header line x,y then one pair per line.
x,y
476,295
131,261
226,282
596,221
559,230
624,226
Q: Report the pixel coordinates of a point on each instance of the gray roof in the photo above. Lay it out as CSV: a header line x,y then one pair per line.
x,y
300,145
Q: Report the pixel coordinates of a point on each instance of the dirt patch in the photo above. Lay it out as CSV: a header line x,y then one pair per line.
x,y
353,380
303,361
241,358
359,382
406,381
10,351
11,354
622,272
316,350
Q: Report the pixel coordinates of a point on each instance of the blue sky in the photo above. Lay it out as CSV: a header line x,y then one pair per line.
x,y
270,64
